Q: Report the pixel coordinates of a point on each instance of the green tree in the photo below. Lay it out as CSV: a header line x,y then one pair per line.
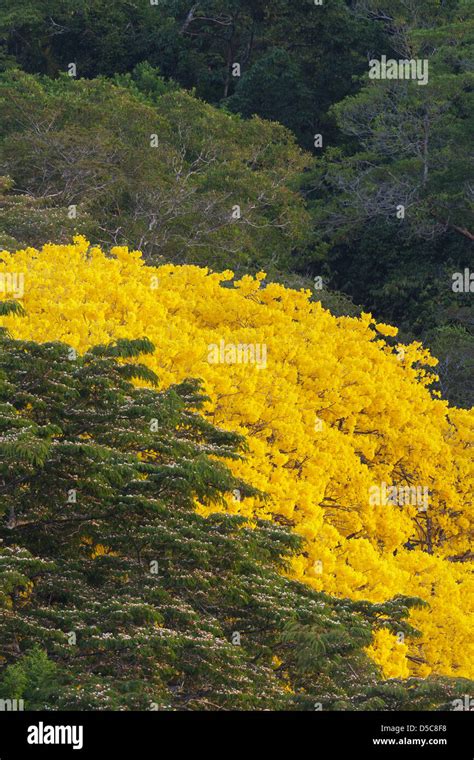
x,y
33,678
167,173
410,141
44,36
274,88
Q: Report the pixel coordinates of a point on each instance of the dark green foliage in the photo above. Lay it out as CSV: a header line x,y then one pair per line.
x,y
10,307
46,35
453,344
274,88
33,678
116,594
196,44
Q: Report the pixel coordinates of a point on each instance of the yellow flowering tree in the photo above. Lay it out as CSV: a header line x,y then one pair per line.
x,y
353,448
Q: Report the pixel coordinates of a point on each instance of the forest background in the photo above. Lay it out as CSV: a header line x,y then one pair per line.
x,y
218,81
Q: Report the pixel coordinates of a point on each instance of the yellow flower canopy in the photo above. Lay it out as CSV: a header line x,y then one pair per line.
x,y
354,450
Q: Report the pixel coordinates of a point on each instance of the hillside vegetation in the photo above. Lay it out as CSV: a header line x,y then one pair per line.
x,y
334,409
